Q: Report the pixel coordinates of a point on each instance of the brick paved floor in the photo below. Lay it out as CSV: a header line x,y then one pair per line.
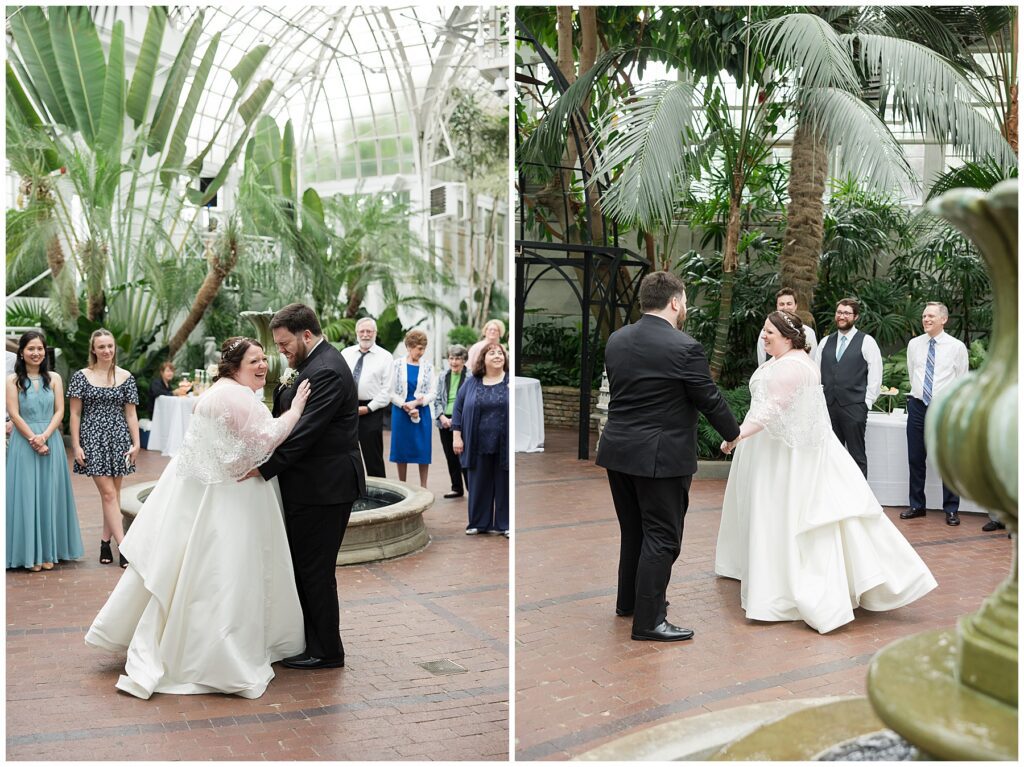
x,y
448,601
581,681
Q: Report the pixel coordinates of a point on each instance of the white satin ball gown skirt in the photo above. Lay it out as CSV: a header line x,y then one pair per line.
x,y
209,600
804,534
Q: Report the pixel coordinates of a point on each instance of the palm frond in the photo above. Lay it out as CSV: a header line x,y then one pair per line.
x,y
929,93
807,44
547,142
869,150
649,140
984,174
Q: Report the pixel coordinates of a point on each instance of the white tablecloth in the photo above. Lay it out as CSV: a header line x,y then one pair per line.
x,y
888,470
529,415
170,422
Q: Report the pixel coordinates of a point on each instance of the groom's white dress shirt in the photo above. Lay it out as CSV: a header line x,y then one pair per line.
x,y
951,362
872,356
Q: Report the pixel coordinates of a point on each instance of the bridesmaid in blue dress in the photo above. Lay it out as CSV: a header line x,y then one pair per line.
x,y
413,388
42,523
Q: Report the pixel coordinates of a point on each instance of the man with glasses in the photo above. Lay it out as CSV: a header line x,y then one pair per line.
x,y
371,370
851,376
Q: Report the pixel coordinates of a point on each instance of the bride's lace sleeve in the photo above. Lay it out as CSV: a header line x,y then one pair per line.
x,y
786,399
231,432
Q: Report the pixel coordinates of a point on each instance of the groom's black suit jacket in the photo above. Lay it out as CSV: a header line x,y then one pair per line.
x,y
319,464
659,379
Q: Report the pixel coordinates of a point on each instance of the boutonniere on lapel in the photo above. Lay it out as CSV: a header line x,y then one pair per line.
x,y
288,377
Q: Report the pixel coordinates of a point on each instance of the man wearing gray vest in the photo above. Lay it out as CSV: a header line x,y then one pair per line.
x,y
851,376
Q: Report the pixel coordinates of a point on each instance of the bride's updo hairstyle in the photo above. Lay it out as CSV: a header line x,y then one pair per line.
x,y
232,352
790,326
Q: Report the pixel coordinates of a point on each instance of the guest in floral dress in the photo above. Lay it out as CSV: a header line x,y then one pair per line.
x,y
105,431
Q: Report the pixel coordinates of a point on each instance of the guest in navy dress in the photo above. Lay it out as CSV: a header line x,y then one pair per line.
x,y
413,389
480,438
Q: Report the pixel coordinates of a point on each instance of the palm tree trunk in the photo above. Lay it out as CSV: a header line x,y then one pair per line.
x,y
729,265
221,264
805,225
94,266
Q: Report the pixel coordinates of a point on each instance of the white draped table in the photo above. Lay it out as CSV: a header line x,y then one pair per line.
x,y
529,415
888,470
170,422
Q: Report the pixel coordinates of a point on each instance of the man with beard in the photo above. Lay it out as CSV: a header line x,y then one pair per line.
x,y
659,380
851,377
320,473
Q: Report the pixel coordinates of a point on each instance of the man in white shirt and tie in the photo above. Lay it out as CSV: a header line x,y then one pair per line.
x,y
371,369
785,301
851,377
934,361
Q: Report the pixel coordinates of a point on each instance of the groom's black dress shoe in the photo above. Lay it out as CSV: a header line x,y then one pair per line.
x,y
991,526
912,513
308,661
952,518
664,632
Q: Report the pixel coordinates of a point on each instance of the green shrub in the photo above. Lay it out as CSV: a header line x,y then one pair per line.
x,y
463,334
709,440
552,374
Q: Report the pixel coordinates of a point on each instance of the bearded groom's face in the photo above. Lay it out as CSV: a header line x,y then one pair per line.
x,y
292,346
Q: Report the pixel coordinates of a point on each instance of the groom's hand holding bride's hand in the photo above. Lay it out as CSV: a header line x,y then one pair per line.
x,y
727,447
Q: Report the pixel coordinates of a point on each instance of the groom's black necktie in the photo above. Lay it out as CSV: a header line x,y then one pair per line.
x,y
358,369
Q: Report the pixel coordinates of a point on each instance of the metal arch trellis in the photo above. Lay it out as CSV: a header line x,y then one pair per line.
x,y
611,274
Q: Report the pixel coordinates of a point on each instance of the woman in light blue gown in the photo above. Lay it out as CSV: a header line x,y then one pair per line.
x,y
42,522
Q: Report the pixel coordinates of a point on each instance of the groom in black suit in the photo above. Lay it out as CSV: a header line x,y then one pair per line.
x,y
321,473
659,379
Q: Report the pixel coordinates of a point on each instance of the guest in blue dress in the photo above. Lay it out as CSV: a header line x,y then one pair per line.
x,y
413,388
42,522
480,437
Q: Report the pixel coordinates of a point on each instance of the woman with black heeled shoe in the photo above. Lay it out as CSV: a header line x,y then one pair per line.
x,y
105,431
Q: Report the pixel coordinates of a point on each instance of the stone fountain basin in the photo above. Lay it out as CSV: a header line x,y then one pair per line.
x,y
387,522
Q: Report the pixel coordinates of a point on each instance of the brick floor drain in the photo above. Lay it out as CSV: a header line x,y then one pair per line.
x,y
442,667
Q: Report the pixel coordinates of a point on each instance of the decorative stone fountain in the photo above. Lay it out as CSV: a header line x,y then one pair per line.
x,y
953,693
387,522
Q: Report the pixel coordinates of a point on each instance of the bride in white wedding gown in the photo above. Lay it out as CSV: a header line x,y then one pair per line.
x,y
800,527
208,600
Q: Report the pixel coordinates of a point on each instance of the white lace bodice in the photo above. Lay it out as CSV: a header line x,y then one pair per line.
x,y
231,432
787,400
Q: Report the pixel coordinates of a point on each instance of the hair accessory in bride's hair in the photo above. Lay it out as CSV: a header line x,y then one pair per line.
x,y
789,322
235,345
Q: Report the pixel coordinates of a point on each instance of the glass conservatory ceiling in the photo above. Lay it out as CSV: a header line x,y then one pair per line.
x,y
362,85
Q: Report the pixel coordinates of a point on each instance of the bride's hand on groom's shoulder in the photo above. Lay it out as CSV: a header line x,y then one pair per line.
x,y
301,396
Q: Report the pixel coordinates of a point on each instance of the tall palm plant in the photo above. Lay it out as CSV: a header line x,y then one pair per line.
x,y
82,120
836,65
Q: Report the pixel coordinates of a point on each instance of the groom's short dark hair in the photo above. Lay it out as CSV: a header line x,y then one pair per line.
x,y
295,318
657,289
